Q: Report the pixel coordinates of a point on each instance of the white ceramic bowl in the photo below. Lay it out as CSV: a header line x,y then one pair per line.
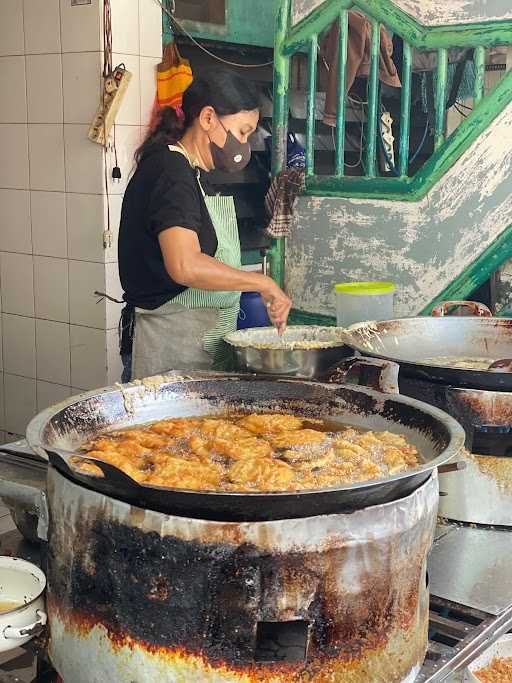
x,y
23,584
501,648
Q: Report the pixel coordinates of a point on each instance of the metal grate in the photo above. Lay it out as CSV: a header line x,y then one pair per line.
x,y
457,635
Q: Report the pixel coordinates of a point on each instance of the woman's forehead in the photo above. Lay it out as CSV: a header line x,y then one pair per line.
x,y
245,118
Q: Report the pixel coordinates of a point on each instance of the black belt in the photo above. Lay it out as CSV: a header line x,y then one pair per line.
x,y
126,329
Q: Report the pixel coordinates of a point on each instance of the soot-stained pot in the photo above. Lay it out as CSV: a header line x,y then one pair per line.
x,y
138,595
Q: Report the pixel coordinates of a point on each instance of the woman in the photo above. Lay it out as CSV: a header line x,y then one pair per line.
x,y
179,250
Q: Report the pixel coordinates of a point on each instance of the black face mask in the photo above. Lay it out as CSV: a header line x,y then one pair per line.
x,y
233,156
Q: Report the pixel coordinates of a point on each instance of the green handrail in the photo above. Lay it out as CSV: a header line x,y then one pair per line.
x,y
373,102
405,110
339,161
306,33
442,78
479,61
311,108
484,34
276,255
281,86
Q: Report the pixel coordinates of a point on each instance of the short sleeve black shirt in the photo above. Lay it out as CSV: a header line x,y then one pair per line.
x,y
163,193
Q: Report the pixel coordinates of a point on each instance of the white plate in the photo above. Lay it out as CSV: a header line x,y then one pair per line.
x,y
501,648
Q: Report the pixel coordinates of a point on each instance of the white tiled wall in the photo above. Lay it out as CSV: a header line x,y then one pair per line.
x,y
14,146
15,221
51,288
41,23
44,88
57,337
49,232
17,279
13,108
81,78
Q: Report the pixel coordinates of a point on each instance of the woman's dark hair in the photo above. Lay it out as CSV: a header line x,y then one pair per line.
x,y
225,91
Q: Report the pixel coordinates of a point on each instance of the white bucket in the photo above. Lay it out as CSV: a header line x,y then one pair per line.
x,y
22,585
502,648
358,302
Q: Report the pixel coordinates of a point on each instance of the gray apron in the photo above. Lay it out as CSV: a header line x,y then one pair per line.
x,y
186,333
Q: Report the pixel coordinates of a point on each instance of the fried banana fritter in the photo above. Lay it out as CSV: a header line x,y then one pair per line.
x,y
256,452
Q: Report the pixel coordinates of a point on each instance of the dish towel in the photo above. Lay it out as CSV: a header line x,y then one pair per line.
x,y
280,199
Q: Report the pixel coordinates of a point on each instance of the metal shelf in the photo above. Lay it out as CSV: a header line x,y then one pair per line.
x,y
458,635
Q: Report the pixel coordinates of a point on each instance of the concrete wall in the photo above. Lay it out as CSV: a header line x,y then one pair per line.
x,y
301,8
421,246
433,12
445,12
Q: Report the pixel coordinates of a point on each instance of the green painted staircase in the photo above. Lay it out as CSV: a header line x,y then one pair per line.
x,y
360,198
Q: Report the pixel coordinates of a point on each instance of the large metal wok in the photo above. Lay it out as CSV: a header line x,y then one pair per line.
x,y
60,431
411,341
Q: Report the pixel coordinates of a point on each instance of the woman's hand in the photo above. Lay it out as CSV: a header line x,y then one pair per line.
x,y
278,304
188,266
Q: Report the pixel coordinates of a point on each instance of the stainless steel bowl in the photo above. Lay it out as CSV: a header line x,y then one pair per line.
x,y
303,351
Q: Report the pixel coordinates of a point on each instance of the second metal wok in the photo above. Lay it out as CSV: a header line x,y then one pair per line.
x,y
61,430
411,341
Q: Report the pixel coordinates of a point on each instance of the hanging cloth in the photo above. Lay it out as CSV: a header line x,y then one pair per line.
x,y
174,75
358,59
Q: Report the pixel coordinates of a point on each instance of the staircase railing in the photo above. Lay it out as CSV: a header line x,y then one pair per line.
x,y
304,37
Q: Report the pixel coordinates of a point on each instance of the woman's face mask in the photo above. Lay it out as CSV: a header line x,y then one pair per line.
x,y
233,155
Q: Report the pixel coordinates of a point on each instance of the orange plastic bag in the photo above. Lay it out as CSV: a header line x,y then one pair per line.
x,y
174,75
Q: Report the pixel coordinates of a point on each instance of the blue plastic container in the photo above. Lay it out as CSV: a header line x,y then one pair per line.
x,y
253,312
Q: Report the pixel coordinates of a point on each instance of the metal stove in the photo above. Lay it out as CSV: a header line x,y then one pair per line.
x,y
463,621
482,493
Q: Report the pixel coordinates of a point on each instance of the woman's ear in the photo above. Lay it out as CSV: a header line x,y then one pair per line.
x,y
207,118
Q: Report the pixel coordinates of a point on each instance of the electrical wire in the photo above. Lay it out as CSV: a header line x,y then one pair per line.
x,y
362,137
177,24
353,141
107,39
357,99
360,116
107,73
115,146
422,142
359,162
464,106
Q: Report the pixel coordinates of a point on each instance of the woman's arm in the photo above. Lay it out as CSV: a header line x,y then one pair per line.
x,y
188,266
